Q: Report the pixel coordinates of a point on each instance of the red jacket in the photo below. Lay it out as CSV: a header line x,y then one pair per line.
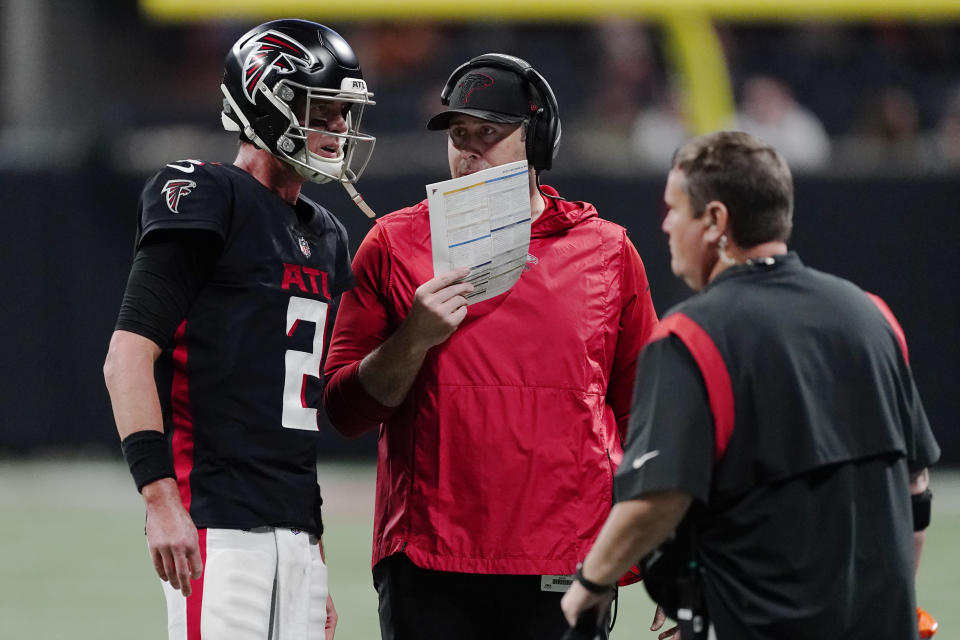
x,y
501,458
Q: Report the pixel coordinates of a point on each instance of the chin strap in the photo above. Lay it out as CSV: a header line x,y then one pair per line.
x,y
358,200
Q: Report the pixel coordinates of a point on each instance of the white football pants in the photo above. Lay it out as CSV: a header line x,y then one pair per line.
x,y
261,585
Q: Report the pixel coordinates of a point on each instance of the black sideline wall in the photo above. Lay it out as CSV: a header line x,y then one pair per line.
x,y
68,240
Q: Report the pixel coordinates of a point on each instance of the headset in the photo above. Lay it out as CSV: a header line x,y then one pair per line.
x,y
543,130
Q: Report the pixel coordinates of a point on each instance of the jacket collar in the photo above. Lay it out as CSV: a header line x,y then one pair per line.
x,y
789,261
559,215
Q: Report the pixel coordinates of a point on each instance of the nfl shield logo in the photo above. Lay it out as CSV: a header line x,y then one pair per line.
x,y
304,247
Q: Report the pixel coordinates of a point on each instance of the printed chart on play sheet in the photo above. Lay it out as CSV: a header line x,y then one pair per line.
x,y
482,221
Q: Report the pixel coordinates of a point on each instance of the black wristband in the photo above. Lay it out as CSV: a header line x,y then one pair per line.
x,y
589,585
148,455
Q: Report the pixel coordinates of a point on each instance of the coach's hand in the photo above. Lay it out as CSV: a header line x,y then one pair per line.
x,y
388,372
439,306
577,600
171,536
658,619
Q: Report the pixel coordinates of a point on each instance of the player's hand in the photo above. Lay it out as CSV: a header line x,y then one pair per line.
x,y
171,536
658,619
331,626
577,600
438,308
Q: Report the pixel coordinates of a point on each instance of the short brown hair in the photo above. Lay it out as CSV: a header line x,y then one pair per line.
x,y
748,176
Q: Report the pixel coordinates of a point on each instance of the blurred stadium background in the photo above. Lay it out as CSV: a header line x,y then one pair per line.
x,y
863,98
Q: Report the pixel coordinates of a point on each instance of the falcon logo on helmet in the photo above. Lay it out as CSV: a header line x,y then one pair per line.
x,y
175,190
273,51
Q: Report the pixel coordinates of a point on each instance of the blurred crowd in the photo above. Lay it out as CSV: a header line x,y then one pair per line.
x,y
841,98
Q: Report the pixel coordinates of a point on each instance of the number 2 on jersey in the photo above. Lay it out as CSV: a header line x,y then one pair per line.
x,y
300,364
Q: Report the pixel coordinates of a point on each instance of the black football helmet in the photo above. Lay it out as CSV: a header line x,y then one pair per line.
x,y
272,76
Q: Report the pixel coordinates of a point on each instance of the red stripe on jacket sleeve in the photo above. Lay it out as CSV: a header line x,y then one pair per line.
x,y
712,368
892,320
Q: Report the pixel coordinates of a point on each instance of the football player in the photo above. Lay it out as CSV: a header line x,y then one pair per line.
x,y
213,370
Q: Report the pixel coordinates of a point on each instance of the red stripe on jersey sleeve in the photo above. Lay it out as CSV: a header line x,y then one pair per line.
x,y
712,368
892,321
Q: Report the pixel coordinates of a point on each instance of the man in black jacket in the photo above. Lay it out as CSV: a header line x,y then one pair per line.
x,y
778,429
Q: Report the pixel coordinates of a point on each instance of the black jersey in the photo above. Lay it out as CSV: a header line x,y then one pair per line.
x,y
240,385
781,399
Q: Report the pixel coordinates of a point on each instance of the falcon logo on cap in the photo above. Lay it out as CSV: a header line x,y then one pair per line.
x,y
273,51
175,190
472,82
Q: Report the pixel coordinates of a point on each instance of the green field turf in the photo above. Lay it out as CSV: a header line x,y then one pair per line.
x,y
73,560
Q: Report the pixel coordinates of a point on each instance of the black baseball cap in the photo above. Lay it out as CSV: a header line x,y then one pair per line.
x,y
488,93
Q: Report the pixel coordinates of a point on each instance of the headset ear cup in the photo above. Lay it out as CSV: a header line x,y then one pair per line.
x,y
548,138
531,143
540,141
551,133
547,130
